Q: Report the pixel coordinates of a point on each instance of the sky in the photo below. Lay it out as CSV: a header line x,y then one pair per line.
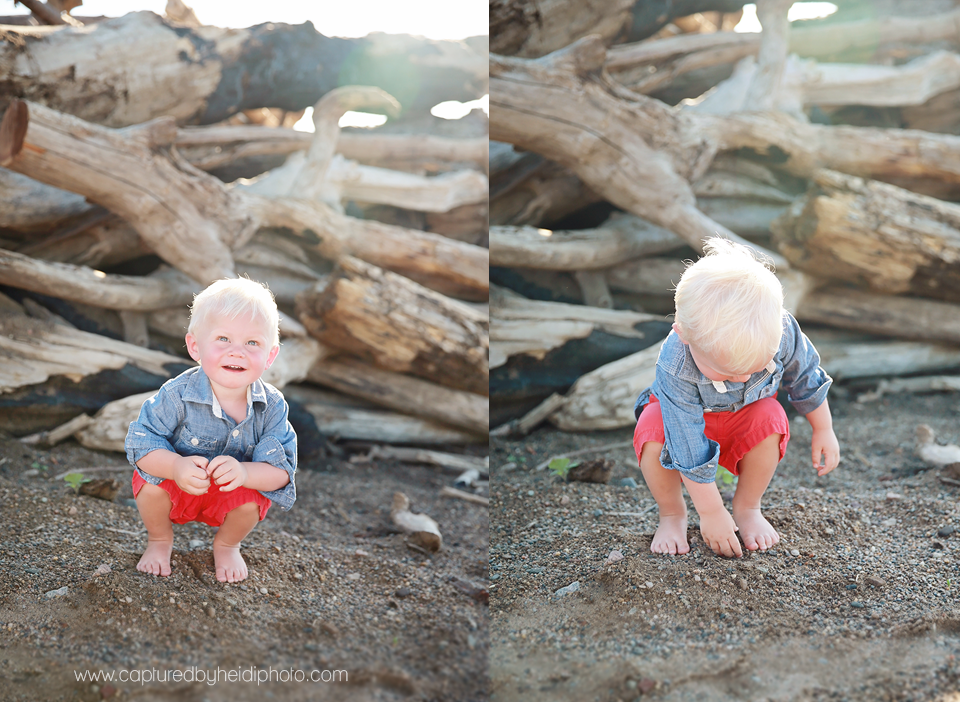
x,y
799,10
434,19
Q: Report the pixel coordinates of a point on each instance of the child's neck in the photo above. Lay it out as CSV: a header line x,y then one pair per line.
x,y
232,401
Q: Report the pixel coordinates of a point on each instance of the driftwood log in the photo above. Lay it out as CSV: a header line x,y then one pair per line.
x,y
193,220
205,74
603,399
403,393
399,325
352,419
642,155
618,239
894,241
52,372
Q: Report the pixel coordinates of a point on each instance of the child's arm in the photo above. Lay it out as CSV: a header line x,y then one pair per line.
x,y
188,472
824,440
716,525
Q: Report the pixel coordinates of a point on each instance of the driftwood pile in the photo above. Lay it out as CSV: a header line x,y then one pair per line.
x,y
112,216
619,144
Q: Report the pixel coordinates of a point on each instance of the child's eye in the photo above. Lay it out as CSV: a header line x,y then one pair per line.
x,y
222,338
253,342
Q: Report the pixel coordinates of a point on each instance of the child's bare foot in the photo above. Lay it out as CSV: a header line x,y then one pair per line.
x,y
231,568
671,536
156,559
755,530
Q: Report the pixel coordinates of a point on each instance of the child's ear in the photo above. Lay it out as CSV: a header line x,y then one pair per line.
x,y
676,328
272,357
193,348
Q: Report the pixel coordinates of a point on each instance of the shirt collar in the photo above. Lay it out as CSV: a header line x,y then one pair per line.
x,y
200,390
721,387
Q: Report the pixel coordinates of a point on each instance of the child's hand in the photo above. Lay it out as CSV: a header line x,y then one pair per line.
x,y
190,474
825,443
719,533
227,472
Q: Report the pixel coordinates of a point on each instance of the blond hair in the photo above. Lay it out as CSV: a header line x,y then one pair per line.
x,y
236,297
729,304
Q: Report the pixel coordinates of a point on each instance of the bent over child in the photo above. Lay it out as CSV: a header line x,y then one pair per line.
x,y
214,444
713,401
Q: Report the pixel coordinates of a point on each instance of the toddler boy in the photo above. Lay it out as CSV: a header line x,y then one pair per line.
x,y
214,444
713,401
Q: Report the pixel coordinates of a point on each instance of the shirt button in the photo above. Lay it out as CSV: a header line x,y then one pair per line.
x,y
236,432
194,441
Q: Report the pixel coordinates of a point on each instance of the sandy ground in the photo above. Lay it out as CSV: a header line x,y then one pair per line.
x,y
858,602
333,587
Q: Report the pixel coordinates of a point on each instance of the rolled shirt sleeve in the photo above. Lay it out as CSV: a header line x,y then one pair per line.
x,y
153,429
804,380
685,447
278,447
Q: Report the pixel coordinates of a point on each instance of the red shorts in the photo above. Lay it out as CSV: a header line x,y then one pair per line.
x,y
736,432
210,508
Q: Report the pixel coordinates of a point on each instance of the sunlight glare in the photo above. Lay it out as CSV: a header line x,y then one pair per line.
x,y
453,109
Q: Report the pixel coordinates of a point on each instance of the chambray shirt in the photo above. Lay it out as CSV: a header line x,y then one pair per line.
x,y
186,418
685,394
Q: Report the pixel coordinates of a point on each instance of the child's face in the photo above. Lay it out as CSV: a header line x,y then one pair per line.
x,y
232,352
712,368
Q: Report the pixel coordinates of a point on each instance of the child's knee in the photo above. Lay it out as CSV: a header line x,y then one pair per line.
x,y
651,451
152,493
247,510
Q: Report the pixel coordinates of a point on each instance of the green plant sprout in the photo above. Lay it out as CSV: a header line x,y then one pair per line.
x,y
75,480
725,478
562,466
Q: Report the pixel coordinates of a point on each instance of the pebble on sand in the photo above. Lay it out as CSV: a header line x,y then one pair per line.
x,y
572,587
50,594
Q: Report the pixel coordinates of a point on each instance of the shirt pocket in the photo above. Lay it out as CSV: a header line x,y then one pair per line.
x,y
194,443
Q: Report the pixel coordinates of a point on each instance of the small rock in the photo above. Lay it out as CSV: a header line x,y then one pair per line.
x,y
939,546
211,612
892,521
852,586
128,599
615,555
102,569
565,500
196,543
353,576
598,513
856,605
33,571
403,592
595,471
794,552
946,531
874,581
892,496
263,591
628,482
649,585
72,511
828,531
646,684
43,499
508,466
50,594
743,584
572,587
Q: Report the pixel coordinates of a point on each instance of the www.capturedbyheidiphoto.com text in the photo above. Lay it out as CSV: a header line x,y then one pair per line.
x,y
212,676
